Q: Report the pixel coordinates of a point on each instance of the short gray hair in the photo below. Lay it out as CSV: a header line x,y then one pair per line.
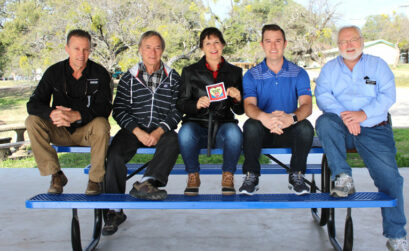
x,y
149,34
349,27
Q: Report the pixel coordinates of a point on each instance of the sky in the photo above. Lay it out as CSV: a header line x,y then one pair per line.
x,y
351,12
355,11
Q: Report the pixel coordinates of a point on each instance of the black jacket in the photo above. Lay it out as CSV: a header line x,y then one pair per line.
x,y
96,101
195,78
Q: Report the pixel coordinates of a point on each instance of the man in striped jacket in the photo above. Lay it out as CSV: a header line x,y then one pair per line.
x,y
145,108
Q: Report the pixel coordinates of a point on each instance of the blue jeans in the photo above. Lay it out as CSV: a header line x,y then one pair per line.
x,y
193,137
376,147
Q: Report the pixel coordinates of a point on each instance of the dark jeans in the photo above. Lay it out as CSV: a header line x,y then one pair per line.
x,y
123,148
255,136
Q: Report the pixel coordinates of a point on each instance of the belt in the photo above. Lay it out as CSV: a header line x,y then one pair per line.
x,y
380,124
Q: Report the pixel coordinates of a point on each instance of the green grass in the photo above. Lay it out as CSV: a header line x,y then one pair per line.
x,y
12,102
80,160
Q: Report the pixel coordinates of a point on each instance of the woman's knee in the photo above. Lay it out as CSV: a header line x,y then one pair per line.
x,y
187,133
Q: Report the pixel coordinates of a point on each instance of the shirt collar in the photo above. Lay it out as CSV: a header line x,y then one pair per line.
x,y
265,68
70,71
340,60
142,68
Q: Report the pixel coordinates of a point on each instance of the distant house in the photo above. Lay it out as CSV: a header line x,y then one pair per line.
x,y
381,48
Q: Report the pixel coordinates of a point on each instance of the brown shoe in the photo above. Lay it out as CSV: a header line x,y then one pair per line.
x,y
228,184
193,184
58,181
93,188
147,191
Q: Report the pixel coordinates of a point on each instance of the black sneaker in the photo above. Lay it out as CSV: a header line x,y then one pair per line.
x,y
147,191
250,184
112,221
296,184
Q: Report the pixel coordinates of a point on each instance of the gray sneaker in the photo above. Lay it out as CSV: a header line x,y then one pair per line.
x,y
343,186
397,244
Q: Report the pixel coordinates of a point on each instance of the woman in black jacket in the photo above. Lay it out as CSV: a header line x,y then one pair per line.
x,y
210,123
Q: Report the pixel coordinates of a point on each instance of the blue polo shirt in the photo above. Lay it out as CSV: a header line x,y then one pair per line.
x,y
276,91
370,87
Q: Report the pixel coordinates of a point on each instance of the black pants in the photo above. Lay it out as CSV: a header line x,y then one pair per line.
x,y
123,148
255,136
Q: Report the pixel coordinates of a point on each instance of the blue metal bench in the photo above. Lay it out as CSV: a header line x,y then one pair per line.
x,y
314,201
208,201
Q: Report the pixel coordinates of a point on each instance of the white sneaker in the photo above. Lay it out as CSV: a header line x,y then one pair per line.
x,y
397,244
343,186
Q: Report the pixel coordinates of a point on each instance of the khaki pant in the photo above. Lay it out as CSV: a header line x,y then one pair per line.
x,y
42,132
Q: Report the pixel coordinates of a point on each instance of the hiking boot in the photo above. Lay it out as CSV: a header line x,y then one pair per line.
x,y
193,184
112,221
93,188
250,184
343,186
397,244
228,184
297,184
58,181
147,191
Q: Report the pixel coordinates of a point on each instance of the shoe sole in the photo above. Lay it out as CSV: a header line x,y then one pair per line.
x,y
245,192
340,194
291,187
134,193
191,193
93,193
111,232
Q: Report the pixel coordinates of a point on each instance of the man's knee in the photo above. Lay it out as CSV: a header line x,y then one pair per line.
x,y
32,121
100,126
252,126
326,122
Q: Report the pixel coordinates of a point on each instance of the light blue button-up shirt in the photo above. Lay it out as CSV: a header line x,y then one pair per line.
x,y
370,87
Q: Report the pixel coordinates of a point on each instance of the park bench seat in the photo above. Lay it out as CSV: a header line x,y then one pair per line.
x,y
212,201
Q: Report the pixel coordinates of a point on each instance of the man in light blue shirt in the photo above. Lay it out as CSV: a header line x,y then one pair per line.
x,y
355,92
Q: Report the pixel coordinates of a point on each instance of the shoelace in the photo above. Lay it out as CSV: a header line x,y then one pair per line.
x,y
298,178
341,180
228,178
192,178
400,244
249,179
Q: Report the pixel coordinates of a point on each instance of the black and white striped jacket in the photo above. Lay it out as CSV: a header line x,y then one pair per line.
x,y
136,105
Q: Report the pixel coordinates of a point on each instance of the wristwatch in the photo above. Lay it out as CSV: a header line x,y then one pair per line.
x,y
294,118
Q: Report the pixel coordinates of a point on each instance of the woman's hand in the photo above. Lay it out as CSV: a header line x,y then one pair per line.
x,y
234,93
203,102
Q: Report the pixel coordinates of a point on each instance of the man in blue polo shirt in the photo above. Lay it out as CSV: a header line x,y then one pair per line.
x,y
272,90
355,92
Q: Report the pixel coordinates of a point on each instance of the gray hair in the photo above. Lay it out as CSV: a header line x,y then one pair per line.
x,y
349,27
149,34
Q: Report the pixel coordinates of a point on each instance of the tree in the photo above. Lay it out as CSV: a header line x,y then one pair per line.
x,y
308,31
393,28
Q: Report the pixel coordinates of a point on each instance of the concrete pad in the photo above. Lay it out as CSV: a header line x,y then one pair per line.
x,y
272,229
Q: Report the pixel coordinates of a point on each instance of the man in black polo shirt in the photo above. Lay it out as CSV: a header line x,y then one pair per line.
x,y
81,97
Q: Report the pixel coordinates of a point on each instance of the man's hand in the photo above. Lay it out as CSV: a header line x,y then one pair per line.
x,y
353,117
148,139
64,116
142,136
354,128
155,135
203,102
352,120
234,93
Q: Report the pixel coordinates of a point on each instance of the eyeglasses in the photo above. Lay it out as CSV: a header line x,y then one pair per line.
x,y
351,41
